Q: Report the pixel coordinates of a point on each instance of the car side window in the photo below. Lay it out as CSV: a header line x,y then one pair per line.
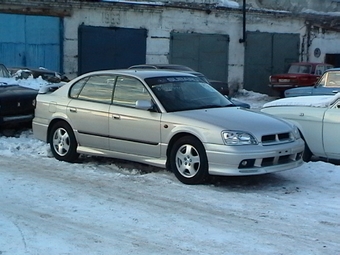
x,y
128,90
97,88
333,79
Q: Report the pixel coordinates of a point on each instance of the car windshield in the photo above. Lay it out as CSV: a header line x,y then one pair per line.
x,y
300,69
180,93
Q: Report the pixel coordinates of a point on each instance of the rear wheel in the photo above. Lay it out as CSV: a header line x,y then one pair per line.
x,y
63,142
188,160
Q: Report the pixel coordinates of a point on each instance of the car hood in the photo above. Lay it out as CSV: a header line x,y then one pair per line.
x,y
15,91
301,91
232,118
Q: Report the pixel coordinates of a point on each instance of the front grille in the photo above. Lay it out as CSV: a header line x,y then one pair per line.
x,y
276,138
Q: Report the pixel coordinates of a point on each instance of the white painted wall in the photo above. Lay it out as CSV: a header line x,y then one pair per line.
x,y
161,21
328,43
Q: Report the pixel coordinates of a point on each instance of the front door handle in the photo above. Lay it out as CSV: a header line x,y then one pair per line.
x,y
116,116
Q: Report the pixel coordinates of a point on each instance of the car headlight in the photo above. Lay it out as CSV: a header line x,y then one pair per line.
x,y
231,137
296,133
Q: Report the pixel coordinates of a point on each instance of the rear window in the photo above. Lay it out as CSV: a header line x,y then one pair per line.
x,y
300,69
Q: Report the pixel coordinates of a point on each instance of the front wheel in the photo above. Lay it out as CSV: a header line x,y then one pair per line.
x,y
188,160
63,142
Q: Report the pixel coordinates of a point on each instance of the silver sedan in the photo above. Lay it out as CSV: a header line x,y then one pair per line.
x,y
167,119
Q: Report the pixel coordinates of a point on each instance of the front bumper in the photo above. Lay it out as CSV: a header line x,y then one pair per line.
x,y
254,159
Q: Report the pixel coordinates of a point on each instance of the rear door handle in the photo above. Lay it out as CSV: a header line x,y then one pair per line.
x,y
116,116
73,109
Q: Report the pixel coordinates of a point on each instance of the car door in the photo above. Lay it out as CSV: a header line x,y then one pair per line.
x,y
331,131
88,110
132,130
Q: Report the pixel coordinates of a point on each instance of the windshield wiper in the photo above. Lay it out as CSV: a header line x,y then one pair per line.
x,y
214,106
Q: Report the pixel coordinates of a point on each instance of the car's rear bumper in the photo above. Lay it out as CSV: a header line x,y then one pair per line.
x,y
281,87
40,127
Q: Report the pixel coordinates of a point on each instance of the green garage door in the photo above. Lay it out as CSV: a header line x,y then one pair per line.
x,y
267,54
205,53
110,48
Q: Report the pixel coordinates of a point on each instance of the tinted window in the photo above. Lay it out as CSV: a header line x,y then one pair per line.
x,y
128,90
186,93
96,88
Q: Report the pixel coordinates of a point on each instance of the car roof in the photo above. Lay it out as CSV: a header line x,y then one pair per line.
x,y
36,70
333,69
162,66
141,73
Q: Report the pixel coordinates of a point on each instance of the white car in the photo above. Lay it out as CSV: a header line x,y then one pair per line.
x,y
318,119
163,118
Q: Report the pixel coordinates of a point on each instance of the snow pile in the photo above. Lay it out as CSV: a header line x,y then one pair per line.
x,y
108,206
30,82
228,3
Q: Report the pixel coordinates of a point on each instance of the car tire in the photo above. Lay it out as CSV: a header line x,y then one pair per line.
x,y
188,160
63,143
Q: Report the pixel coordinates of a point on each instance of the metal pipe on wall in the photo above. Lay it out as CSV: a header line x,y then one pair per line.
x,y
243,40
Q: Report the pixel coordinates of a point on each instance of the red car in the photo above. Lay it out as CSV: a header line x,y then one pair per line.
x,y
299,75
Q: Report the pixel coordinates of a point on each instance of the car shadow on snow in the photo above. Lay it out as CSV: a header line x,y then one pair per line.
x,y
120,164
15,131
254,182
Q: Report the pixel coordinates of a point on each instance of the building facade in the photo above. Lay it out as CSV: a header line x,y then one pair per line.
x,y
224,39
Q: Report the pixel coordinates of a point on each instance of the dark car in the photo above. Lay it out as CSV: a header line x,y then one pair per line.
x,y
45,74
17,103
300,74
220,86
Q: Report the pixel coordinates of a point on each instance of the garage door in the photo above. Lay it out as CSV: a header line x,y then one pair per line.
x,y
32,41
205,53
110,48
267,54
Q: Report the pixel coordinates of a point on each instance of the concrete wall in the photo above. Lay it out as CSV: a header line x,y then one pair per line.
x,y
159,24
297,5
161,21
219,17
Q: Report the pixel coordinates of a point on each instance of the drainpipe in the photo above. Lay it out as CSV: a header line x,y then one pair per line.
x,y
309,40
243,40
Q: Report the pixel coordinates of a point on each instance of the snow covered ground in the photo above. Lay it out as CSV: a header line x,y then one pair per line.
x,y
107,206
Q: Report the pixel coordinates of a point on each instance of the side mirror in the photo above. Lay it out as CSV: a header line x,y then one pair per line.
x,y
144,104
